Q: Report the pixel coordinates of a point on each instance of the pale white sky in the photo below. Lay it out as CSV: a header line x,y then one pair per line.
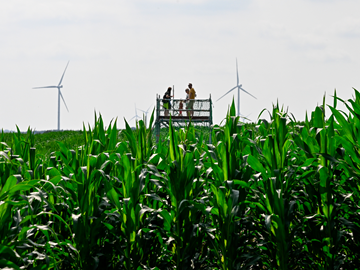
x,y
124,52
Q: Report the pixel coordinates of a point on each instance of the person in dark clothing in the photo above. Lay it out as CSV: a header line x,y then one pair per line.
x,y
166,101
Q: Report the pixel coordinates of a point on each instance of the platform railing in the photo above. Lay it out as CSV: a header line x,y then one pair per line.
x,y
180,108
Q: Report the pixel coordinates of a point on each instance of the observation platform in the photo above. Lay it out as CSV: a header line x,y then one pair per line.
x,y
199,114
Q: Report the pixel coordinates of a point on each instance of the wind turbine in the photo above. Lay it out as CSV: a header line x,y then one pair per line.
x,y
146,113
136,115
59,94
238,87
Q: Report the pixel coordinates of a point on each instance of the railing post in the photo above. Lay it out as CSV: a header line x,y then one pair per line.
x,y
210,120
157,122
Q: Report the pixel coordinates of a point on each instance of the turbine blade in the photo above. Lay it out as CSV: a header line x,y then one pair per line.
x,y
245,118
63,73
45,87
132,118
247,92
227,93
237,73
136,117
148,108
63,100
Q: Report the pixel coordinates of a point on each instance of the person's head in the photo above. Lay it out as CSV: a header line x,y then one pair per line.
x,y
187,90
190,85
169,89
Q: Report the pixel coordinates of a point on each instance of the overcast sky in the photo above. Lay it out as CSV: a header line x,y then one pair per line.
x,y
125,52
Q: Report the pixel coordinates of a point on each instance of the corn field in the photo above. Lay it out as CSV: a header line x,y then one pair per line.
x,y
280,195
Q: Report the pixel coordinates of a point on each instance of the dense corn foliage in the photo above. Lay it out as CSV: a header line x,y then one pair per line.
x,y
277,196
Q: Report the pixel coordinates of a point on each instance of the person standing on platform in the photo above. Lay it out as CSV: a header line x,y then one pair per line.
x,y
166,101
190,104
187,94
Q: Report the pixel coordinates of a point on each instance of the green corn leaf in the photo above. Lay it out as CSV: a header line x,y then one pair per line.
x,y
112,195
8,264
256,165
167,219
10,182
232,109
242,183
346,128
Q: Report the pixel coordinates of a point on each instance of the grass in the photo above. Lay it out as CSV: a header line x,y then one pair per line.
x,y
46,143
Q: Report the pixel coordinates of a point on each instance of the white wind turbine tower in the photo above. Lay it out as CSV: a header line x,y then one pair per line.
x,y
59,94
136,115
238,87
